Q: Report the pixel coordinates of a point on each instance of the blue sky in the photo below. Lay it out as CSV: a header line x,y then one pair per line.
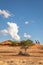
x,y
22,11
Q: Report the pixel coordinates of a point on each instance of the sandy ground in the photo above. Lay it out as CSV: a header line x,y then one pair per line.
x,y
21,60
7,56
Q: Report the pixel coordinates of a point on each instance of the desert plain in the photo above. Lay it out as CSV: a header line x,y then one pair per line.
x,y
9,55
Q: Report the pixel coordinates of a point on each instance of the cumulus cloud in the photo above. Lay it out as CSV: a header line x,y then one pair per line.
x,y
5,13
27,35
12,30
26,22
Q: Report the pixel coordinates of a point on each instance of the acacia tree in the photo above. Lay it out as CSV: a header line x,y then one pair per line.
x,y
25,45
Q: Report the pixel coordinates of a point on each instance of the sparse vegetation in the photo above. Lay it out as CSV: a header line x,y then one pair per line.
x,y
21,43
12,53
24,45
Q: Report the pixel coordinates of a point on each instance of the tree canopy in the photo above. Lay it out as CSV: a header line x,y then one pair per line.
x,y
26,43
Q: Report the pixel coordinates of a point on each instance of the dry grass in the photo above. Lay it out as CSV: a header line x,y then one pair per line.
x,y
7,56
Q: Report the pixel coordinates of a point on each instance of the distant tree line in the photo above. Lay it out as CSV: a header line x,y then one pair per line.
x,y
21,43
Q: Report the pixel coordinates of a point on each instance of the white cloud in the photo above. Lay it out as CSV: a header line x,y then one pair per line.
x,y
27,35
12,30
27,22
5,13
